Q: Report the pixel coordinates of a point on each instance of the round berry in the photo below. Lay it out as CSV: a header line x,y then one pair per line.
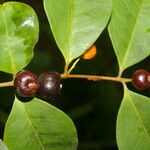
x,y
141,79
49,85
26,84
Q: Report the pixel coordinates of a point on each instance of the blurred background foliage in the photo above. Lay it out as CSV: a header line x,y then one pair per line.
x,y
93,106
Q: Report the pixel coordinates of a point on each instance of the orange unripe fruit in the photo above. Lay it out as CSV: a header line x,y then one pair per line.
x,y
90,53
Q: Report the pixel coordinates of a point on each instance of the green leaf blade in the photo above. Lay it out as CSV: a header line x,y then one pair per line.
x,y
38,125
133,123
77,24
128,30
19,31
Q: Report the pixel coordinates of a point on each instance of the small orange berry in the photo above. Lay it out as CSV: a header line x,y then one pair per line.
x,y
90,53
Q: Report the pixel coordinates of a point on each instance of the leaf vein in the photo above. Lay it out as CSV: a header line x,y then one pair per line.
x,y
130,39
31,125
140,119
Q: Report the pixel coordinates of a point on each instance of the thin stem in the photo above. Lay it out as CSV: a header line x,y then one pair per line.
x,y
120,73
66,69
80,76
66,66
6,84
73,66
95,78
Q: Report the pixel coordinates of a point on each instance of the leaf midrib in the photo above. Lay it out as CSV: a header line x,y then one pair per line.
x,y
70,31
140,118
32,127
123,64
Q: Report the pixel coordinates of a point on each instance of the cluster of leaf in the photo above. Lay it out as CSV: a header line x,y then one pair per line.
x,y
36,124
76,24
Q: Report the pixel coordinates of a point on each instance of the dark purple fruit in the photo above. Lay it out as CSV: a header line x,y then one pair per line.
x,y
26,84
141,79
49,85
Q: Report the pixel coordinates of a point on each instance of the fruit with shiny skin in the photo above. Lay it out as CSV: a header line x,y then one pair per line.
x,y
26,83
50,86
141,79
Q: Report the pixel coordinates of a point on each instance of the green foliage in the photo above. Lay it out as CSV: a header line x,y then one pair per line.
x,y
37,125
76,24
129,31
2,145
18,35
133,124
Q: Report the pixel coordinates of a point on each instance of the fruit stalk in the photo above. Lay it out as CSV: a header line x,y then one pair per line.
x,y
6,84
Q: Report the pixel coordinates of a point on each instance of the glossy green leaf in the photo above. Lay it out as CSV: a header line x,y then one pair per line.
x,y
133,123
18,35
2,145
129,31
76,24
37,125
